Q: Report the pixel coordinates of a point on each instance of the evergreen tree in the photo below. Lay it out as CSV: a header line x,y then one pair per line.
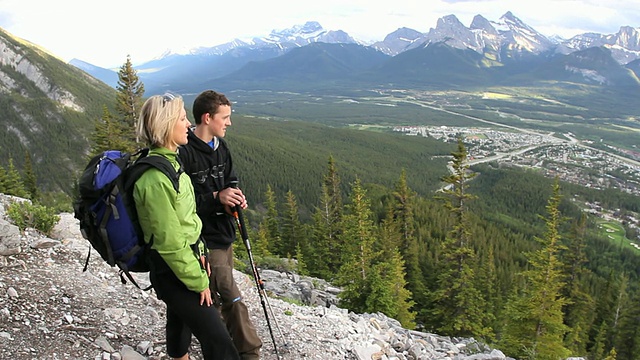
x,y
409,249
291,227
604,328
459,306
487,284
13,184
612,354
302,266
390,236
316,254
358,237
580,308
325,247
3,180
598,347
333,206
627,341
621,305
393,278
30,181
130,93
129,99
261,246
535,328
108,135
272,222
393,268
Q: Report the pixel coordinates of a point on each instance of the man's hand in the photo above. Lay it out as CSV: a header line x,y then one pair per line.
x,y
232,197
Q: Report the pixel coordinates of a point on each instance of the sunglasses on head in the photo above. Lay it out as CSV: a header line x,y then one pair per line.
x,y
167,97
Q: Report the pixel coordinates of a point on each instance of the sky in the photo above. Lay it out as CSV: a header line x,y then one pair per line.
x,y
105,33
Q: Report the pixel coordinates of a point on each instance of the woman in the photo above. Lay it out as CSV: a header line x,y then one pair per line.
x,y
170,224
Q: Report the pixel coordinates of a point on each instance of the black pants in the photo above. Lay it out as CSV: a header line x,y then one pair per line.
x,y
185,316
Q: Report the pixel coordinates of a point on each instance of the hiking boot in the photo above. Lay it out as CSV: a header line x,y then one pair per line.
x,y
247,356
251,354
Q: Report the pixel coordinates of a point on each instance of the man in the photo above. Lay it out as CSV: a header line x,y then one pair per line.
x,y
207,160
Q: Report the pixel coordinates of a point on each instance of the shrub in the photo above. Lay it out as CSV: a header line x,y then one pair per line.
x,y
26,215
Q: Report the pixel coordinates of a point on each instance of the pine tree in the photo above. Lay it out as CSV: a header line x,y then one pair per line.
x,y
325,247
3,180
108,135
390,236
13,184
291,227
487,284
332,182
459,306
261,246
612,355
393,275
621,306
579,311
599,343
30,181
403,198
129,96
393,268
358,237
302,265
318,250
535,328
130,93
604,316
271,222
333,206
627,341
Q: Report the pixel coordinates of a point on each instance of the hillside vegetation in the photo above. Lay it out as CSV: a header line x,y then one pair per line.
x,y
292,155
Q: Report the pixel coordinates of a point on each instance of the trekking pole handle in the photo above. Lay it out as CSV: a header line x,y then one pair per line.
x,y
237,213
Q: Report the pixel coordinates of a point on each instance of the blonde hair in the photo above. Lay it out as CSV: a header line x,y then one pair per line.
x,y
158,116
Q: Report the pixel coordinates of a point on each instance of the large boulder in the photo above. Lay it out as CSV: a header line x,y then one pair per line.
x,y
9,238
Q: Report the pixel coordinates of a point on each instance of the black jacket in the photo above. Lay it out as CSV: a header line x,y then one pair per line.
x,y
210,171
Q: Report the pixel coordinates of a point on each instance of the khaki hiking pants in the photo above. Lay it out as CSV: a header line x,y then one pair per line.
x,y
228,299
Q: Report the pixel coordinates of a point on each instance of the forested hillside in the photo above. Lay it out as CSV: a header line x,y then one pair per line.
x,y
473,258
48,111
292,155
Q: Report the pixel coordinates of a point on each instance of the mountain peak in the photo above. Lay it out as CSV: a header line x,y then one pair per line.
x,y
525,37
310,28
481,23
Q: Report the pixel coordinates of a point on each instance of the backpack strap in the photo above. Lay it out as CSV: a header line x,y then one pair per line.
x,y
159,162
142,164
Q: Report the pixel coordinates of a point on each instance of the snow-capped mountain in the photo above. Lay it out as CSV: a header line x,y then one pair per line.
x,y
398,40
508,35
624,45
286,39
483,44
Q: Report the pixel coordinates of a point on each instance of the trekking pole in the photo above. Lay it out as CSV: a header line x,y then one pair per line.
x,y
237,214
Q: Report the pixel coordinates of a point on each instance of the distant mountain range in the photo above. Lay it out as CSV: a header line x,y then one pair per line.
x,y
48,104
486,53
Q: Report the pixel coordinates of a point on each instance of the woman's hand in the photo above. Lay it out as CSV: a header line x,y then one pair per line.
x,y
205,297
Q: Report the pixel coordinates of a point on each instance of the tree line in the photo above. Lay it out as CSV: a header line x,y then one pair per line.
x,y
446,265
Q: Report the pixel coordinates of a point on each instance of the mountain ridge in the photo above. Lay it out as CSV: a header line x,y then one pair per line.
x,y
506,42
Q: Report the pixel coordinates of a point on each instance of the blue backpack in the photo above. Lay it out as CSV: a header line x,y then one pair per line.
x,y
107,212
